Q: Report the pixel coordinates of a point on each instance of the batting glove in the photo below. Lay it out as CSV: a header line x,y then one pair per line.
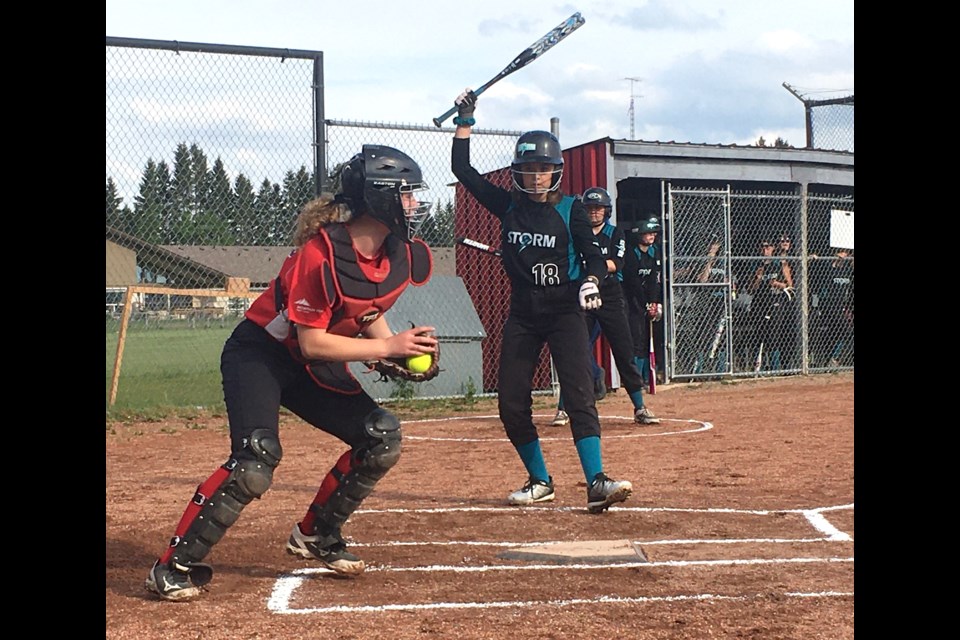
x,y
590,294
655,310
791,293
466,104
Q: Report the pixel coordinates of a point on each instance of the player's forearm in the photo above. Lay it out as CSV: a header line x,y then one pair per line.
x,y
317,344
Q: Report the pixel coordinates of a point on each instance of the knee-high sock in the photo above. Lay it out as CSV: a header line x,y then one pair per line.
x,y
590,459
532,457
643,365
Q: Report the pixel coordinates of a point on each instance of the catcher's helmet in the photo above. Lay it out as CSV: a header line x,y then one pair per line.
x,y
373,182
598,197
537,146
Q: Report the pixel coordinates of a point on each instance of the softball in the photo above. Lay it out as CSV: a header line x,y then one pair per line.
x,y
420,363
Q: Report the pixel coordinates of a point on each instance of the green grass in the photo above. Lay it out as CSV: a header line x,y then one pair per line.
x,y
169,365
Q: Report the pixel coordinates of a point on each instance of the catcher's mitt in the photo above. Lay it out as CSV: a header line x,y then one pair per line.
x,y
390,368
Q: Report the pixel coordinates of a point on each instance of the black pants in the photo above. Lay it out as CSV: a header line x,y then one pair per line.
x,y
260,376
615,325
524,335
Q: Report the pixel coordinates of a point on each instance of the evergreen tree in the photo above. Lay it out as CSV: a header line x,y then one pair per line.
x,y
114,215
244,217
438,228
298,189
183,195
267,205
152,207
214,222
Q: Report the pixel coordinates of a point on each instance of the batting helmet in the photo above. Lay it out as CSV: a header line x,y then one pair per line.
x,y
373,182
537,146
650,225
598,197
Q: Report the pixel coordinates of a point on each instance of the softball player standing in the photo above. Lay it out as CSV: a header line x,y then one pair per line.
x,y
547,245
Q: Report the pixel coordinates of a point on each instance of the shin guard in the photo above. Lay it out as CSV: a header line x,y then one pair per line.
x,y
218,502
356,473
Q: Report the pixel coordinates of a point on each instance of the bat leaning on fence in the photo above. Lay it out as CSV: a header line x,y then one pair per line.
x,y
527,56
717,336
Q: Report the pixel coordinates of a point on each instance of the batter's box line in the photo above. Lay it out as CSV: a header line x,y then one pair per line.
x,y
287,584
702,426
814,517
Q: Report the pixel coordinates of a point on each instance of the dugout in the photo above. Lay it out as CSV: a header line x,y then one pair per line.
x,y
445,304
639,176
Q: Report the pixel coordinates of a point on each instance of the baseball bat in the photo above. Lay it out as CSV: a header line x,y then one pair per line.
x,y
527,56
653,362
759,363
717,336
479,246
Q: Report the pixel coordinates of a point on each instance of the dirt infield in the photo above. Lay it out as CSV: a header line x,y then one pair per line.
x,y
742,512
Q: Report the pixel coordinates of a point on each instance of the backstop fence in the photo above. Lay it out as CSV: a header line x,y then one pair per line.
x,y
211,150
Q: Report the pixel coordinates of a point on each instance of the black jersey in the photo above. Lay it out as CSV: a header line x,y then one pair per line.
x,y
642,277
545,247
613,246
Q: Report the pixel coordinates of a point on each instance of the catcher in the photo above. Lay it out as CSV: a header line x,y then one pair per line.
x,y
354,255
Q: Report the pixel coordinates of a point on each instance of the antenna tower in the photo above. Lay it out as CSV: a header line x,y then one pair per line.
x,y
633,95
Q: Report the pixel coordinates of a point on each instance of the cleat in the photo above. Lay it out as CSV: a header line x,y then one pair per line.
x,y
560,419
533,491
330,550
604,491
171,582
645,416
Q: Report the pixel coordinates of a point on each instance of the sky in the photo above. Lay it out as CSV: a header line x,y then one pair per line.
x,y
706,71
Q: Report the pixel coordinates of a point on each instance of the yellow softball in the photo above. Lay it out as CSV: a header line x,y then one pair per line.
x,y
420,363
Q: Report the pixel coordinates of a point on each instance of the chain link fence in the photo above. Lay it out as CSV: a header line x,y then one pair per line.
x,y
211,150
758,283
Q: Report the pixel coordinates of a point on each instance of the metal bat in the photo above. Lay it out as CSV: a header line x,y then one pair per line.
x,y
527,56
717,336
759,363
479,246
653,362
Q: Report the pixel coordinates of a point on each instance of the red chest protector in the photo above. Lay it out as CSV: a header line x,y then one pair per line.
x,y
358,301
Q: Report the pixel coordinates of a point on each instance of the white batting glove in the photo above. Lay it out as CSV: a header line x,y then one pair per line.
x,y
590,294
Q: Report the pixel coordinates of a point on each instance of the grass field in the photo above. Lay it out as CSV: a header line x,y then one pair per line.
x,y
166,365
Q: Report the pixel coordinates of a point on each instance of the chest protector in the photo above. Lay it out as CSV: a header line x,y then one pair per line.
x,y
358,301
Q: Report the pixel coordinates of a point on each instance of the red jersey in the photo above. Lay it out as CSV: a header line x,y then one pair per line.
x,y
329,285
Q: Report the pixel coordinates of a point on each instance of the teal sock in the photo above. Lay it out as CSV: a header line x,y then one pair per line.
x,y
532,458
636,397
643,366
560,403
589,451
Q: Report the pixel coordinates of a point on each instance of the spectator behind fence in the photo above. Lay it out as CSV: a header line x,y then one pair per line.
x,y
611,317
355,255
832,304
643,288
705,308
789,305
555,267
771,286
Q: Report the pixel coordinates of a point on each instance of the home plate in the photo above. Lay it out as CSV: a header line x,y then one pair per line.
x,y
580,552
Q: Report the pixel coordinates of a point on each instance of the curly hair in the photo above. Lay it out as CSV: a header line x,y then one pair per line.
x,y
319,212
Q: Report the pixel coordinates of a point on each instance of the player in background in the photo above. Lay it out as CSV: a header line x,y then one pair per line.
x,y
643,287
354,256
555,266
611,317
